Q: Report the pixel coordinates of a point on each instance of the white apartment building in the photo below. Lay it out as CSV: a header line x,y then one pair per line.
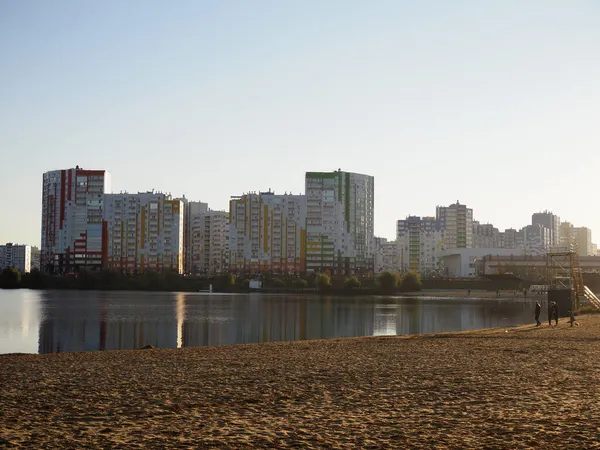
x,y
340,222
267,233
72,230
15,256
457,222
204,239
144,231
387,257
214,247
193,231
420,241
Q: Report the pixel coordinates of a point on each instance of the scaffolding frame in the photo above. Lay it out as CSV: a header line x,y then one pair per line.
x,y
564,273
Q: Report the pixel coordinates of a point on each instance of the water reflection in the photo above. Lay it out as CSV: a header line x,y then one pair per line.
x,y
80,321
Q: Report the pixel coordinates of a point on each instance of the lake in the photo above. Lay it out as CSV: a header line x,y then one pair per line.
x,y
70,321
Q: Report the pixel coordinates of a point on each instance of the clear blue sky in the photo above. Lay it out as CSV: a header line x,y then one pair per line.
x,y
494,103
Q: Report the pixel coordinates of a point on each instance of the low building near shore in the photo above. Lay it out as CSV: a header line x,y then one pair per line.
x,y
462,262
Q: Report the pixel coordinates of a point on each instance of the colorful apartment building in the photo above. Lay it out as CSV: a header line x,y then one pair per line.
x,y
340,222
144,231
419,241
72,208
267,233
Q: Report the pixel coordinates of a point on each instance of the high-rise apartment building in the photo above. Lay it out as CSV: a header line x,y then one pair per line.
x,y
72,208
144,232
387,257
508,238
15,256
267,233
419,242
566,235
340,221
534,239
215,245
457,222
583,239
551,221
35,258
204,239
486,235
193,231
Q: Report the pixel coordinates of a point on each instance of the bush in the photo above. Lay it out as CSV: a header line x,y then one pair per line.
x,y
300,283
323,281
276,283
387,281
410,282
224,283
352,283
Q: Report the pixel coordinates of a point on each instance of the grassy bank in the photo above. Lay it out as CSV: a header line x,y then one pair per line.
x,y
522,387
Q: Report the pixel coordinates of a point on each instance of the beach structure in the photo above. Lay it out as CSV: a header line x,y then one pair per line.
x,y
565,280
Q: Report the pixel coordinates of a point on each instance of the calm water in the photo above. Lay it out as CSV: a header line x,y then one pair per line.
x,y
67,321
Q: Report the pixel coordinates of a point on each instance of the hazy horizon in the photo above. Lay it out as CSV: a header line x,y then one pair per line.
x,y
491,104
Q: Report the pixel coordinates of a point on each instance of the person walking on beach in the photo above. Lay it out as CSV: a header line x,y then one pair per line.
x,y
552,313
572,320
538,310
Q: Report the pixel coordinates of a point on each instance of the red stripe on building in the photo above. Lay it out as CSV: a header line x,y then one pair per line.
x,y
90,173
69,187
62,198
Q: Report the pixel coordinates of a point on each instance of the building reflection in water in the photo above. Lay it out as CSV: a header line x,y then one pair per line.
x,y
90,320
80,321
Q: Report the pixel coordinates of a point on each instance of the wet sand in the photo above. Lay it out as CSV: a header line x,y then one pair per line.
x,y
522,387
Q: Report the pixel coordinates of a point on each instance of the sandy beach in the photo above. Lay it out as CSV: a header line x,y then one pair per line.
x,y
522,387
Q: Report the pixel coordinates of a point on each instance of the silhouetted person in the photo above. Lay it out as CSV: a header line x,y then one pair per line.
x,y
538,311
552,313
572,320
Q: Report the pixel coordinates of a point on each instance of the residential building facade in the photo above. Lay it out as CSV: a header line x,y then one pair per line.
x,y
457,222
486,236
267,233
508,238
583,239
144,232
15,256
340,222
387,257
72,209
551,221
567,235
193,233
35,258
534,239
419,240
214,247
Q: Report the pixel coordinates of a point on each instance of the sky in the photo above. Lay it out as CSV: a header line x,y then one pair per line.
x,y
495,104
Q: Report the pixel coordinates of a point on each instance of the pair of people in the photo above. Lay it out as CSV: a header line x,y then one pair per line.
x,y
552,313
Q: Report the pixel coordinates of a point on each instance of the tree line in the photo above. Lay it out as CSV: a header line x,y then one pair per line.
x,y
149,280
